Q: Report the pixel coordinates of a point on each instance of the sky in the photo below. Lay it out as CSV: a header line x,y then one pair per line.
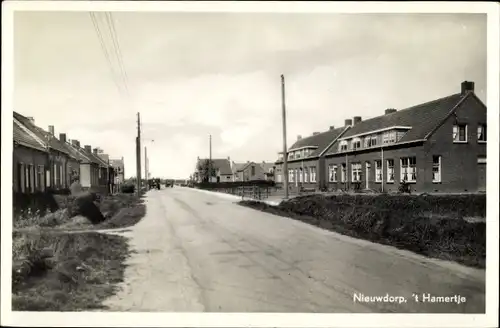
x,y
191,75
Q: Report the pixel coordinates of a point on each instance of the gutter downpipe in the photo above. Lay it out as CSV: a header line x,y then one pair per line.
x,y
382,166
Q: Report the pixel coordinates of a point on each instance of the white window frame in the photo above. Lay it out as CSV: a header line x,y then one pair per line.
x,y
437,165
290,175
456,133
356,172
390,170
332,173
481,129
366,141
378,171
40,174
343,145
355,142
306,175
22,177
312,172
301,176
343,175
389,137
408,168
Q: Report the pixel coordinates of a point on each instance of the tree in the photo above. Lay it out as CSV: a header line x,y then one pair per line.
x,y
203,168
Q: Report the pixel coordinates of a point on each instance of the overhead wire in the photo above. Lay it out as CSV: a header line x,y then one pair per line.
x,y
117,49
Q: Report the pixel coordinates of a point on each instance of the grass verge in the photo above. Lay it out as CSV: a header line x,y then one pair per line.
x,y
66,272
59,267
435,226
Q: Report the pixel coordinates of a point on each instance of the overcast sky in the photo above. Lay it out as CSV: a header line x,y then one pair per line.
x,y
191,75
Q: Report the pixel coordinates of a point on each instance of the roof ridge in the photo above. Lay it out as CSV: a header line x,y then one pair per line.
x,y
411,107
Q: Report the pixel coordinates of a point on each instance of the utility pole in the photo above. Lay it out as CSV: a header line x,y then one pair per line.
x,y
138,153
285,153
146,168
210,158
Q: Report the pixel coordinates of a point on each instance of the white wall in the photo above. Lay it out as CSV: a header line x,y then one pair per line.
x,y
85,175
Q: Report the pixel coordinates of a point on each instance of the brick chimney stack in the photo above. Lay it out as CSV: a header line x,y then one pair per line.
x,y
62,137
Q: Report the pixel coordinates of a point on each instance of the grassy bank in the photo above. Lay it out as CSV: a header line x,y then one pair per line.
x,y
444,227
66,272
58,267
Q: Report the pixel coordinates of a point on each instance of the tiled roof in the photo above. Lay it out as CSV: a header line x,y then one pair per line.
x,y
422,119
267,166
236,167
95,158
78,153
54,143
222,165
23,138
321,141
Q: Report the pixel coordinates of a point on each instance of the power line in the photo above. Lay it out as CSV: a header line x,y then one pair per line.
x,y
116,47
104,50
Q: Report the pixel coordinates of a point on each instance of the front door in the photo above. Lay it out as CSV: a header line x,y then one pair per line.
x,y
367,175
481,171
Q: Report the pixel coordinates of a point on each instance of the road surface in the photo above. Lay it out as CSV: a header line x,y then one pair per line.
x,y
201,252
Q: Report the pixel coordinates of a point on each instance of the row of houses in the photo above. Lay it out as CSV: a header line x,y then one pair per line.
x,y
437,146
226,170
42,161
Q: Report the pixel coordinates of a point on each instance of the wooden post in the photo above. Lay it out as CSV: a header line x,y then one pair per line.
x,y
285,153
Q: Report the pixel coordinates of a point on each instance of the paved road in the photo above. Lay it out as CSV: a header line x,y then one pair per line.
x,y
197,252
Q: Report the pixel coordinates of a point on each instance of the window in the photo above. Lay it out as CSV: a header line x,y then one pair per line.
x,y
290,175
481,133
21,176
332,173
390,170
436,168
312,173
300,173
356,172
306,175
290,155
61,175
367,142
27,178
39,178
409,169
389,137
460,133
378,171
373,141
343,145
356,143
343,175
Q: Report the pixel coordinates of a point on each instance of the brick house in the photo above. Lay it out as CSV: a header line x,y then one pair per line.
x,y
235,169
89,166
438,146
119,172
252,171
223,172
59,157
30,161
306,159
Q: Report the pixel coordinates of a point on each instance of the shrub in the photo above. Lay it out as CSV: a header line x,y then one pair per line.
x,y
127,188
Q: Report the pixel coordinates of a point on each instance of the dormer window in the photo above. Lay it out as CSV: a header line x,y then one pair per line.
x,y
343,145
389,137
356,143
373,141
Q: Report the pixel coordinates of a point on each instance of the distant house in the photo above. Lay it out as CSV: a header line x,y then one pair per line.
x,y
252,171
223,172
119,166
236,169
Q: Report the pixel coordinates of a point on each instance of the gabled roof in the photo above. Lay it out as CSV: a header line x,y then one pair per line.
x,y
266,166
321,141
422,119
223,165
23,138
78,153
95,158
236,167
53,142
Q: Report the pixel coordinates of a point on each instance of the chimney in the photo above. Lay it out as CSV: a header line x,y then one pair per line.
x,y
348,122
51,130
315,133
467,86
62,137
356,120
31,119
332,127
88,148
390,111
96,151
75,143
299,137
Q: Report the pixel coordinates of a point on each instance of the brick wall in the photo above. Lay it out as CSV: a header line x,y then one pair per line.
x,y
28,156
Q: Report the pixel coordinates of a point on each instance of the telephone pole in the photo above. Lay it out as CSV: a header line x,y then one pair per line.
x,y
146,168
138,153
285,154
210,158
